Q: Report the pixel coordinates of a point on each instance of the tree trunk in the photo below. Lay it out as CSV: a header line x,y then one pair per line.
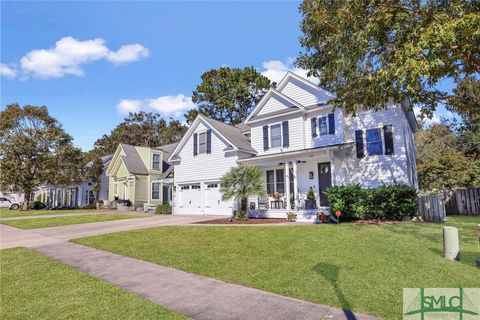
x,y
26,200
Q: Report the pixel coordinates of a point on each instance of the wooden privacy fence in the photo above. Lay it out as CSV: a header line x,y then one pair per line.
x,y
462,201
431,208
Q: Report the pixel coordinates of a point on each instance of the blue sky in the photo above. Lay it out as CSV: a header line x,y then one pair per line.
x,y
90,62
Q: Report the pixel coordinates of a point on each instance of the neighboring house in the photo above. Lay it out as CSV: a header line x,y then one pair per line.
x,y
76,195
299,141
141,175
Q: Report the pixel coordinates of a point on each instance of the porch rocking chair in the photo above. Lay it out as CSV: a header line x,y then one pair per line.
x,y
263,203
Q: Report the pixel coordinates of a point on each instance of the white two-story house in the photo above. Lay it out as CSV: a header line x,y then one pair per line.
x,y
299,141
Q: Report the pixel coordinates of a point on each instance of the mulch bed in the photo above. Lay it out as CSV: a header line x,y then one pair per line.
x,y
249,221
375,222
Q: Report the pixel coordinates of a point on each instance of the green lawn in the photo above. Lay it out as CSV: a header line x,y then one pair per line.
x,y
37,287
62,221
361,268
7,213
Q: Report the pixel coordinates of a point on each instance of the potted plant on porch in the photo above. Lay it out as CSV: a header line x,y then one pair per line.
x,y
310,202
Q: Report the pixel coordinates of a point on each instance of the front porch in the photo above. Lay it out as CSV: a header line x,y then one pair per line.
x,y
288,178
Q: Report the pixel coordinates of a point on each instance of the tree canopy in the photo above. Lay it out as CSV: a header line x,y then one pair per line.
x,y
34,149
368,52
442,162
228,94
141,129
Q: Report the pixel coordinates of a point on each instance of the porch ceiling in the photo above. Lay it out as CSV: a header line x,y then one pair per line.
x,y
297,155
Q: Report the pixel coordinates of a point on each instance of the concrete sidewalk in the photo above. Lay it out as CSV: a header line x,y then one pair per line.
x,y
12,237
46,216
192,295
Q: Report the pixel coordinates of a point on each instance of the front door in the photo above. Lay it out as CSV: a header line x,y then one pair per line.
x,y
324,181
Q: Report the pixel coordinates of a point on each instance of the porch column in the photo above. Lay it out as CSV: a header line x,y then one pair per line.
x,y
295,184
287,184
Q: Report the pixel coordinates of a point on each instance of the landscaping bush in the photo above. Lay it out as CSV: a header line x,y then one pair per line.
x,y
37,205
351,200
241,215
392,202
163,209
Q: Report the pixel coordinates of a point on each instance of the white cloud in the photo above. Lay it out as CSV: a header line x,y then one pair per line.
x,y
128,53
438,115
7,72
171,104
275,70
126,105
69,54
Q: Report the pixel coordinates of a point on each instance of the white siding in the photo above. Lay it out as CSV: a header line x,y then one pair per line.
x,y
204,166
328,139
295,129
275,104
372,170
303,93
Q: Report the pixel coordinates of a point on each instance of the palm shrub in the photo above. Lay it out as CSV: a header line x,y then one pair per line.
x,y
240,183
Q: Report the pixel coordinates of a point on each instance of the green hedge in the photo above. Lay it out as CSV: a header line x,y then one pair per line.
x,y
164,209
392,202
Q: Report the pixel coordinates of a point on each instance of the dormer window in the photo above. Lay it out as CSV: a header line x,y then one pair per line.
x,y
156,162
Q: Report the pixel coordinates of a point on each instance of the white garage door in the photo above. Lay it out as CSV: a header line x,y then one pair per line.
x,y
190,201
213,201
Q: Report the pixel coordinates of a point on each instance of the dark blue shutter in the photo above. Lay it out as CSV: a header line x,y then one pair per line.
x,y
388,134
195,144
209,141
265,137
314,127
331,123
286,138
359,143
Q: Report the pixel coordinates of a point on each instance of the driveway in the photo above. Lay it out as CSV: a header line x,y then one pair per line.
x,y
12,237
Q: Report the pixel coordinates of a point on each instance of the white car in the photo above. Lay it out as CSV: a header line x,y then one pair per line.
x,y
5,203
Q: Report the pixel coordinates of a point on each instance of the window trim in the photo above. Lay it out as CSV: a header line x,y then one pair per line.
x,y
319,126
381,141
279,124
159,162
275,182
199,150
153,190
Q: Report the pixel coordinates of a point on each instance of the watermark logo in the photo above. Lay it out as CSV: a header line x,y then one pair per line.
x,y
441,303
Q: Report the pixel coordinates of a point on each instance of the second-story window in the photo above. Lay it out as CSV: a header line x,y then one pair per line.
x,y
156,162
276,136
202,142
374,142
322,126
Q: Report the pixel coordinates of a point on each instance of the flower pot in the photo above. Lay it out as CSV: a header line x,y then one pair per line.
x,y
310,204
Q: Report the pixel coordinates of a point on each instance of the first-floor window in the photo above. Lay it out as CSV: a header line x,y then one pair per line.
x,y
156,190
275,181
374,141
115,188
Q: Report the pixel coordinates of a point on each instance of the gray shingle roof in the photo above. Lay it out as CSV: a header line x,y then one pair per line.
x,y
132,160
234,135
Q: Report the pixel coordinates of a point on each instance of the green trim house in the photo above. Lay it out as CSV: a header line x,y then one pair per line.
x,y
141,175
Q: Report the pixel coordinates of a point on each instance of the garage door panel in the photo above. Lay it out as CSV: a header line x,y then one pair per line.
x,y
213,201
190,201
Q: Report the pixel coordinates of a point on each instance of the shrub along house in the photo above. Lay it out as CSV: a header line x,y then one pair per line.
x,y
141,175
300,142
